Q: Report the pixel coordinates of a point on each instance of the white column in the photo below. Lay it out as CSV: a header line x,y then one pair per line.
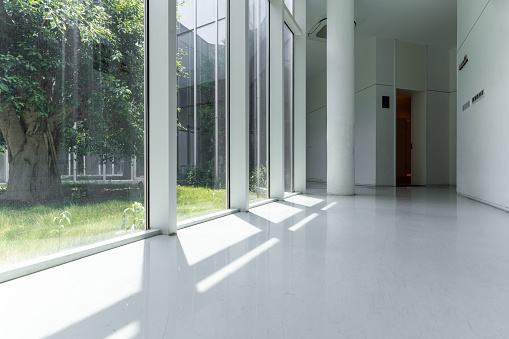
x,y
299,140
276,166
340,97
161,150
239,104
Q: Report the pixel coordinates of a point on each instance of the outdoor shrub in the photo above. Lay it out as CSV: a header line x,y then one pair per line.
x,y
201,175
258,179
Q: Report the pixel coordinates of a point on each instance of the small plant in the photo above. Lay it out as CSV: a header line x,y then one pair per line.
x,y
134,217
60,222
258,180
79,194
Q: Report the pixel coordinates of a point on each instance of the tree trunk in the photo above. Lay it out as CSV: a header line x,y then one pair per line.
x,y
33,145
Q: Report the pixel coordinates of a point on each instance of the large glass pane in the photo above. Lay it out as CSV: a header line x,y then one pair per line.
x,y
72,120
289,5
288,90
258,100
202,110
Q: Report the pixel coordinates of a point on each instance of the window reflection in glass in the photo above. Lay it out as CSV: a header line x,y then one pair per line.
x,y
258,100
202,114
288,110
289,5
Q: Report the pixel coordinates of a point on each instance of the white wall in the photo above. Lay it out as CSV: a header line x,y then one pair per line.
x,y
437,69
316,136
453,135
365,137
438,117
380,63
419,139
410,66
365,111
385,117
385,61
437,138
468,12
385,137
483,137
365,63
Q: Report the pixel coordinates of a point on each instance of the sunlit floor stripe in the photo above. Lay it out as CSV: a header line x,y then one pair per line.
x,y
329,206
131,330
234,266
303,222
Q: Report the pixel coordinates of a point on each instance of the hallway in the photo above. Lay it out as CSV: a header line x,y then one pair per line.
x,y
387,263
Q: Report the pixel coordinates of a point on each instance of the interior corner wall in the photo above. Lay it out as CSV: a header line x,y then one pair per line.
x,y
438,116
365,137
453,122
375,142
365,63
316,125
452,137
483,138
365,111
410,66
437,138
468,13
385,117
419,145
385,137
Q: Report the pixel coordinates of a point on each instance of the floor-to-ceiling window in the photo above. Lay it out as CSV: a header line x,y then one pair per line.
x,y
258,99
289,5
72,124
202,116
288,109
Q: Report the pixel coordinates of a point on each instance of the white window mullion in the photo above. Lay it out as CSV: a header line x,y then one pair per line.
x,y
276,78
216,98
161,171
299,163
195,87
258,92
239,104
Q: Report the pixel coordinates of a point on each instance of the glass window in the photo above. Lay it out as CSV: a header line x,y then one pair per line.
x,y
258,99
202,115
72,90
289,5
288,113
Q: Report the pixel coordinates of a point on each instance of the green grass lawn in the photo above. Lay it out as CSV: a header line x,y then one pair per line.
x,y
95,214
193,202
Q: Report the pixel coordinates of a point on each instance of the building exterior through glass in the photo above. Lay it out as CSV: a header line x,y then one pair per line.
x,y
202,110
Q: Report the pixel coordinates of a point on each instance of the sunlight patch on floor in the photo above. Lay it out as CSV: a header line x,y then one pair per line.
x,y
275,212
215,278
204,240
304,200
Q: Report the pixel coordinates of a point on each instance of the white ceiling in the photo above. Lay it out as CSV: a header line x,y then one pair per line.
x,y
427,22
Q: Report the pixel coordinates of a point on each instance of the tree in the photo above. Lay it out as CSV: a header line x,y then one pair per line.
x,y
71,75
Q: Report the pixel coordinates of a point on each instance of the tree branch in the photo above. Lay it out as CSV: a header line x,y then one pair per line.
x,y
4,17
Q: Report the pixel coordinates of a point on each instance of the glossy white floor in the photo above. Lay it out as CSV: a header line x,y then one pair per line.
x,y
387,263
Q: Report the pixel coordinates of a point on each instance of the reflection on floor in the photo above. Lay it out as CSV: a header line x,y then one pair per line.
x,y
386,263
